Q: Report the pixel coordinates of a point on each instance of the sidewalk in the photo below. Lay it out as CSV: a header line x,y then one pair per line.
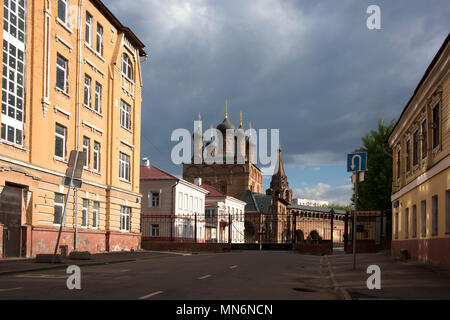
x,y
399,279
13,266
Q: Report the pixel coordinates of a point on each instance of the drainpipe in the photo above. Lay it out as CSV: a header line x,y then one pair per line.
x,y
80,24
174,208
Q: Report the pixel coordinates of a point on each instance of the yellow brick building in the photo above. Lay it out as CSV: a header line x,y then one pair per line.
x,y
71,81
421,181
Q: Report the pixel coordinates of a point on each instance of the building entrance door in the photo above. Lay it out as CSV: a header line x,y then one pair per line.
x,y
11,218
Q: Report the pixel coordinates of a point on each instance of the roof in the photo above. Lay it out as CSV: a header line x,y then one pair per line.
x,y
256,202
153,173
316,209
132,37
427,73
213,192
225,125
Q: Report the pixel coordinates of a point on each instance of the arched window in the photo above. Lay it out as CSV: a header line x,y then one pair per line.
x,y
127,66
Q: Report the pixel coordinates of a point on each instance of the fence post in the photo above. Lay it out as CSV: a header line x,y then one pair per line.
x,y
229,228
195,226
171,221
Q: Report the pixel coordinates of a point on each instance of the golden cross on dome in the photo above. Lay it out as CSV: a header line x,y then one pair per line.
x,y
226,108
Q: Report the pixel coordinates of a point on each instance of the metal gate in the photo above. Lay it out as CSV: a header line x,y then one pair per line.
x,y
11,218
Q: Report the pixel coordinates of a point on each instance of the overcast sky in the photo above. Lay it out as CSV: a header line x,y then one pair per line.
x,y
310,68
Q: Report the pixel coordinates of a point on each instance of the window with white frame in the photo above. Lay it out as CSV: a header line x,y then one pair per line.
x,y
14,18
125,115
62,65
87,91
59,208
85,213
155,230
180,200
99,39
60,142
186,202
127,66
124,166
96,163
98,98
95,213
63,11
191,203
154,200
13,94
196,204
86,149
88,35
125,216
200,209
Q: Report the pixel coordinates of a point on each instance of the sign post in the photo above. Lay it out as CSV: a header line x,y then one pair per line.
x,y
72,179
356,163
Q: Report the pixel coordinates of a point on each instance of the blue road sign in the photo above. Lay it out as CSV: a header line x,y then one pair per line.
x,y
357,162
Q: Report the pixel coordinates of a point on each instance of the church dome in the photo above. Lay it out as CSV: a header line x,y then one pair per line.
x,y
225,125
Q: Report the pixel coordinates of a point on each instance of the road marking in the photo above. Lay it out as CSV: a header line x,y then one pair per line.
x,y
204,277
234,267
11,289
151,295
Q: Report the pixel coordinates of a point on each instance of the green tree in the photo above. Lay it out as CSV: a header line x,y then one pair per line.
x,y
375,191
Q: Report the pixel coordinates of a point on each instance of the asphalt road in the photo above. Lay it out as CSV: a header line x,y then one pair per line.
x,y
267,275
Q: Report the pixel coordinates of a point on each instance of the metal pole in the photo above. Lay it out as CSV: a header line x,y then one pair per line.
x,y
195,228
229,228
63,218
332,228
260,232
354,220
75,241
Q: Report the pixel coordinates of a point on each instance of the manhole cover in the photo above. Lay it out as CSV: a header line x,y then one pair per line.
x,y
304,290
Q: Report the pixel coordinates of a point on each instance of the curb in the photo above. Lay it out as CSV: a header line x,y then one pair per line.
x,y
63,266
339,290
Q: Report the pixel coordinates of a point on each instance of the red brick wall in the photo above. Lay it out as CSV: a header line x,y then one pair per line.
x,y
434,251
185,246
44,240
313,248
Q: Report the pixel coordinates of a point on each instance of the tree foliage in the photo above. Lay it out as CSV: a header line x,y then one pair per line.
x,y
375,191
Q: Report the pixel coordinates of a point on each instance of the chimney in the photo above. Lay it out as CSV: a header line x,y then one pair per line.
x,y
198,181
146,162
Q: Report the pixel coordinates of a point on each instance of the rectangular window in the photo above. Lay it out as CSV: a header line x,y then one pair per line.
x,y
88,35
95,213
155,230
154,198
60,142
124,166
408,156
125,215
96,164
99,39
424,139
414,221
436,126
423,214
416,148
87,91
63,11
399,154
125,115
86,149
85,213
434,216
98,97
62,73
14,19
447,211
180,200
59,208
186,202
191,203
200,210
13,93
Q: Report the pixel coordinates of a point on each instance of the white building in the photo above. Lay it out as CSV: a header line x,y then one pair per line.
x,y
172,208
310,203
221,211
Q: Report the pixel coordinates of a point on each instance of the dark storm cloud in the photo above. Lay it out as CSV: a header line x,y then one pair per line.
x,y
310,68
